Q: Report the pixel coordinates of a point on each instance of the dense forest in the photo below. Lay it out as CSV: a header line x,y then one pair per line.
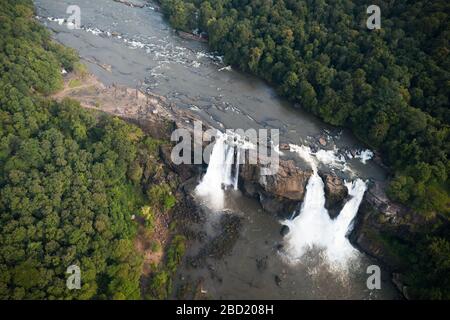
x,y
70,179
390,86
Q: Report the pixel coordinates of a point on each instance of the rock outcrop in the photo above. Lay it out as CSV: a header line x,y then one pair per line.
x,y
278,193
289,182
281,193
184,171
335,193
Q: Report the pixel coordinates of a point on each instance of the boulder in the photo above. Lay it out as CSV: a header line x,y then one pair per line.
x,y
284,230
278,193
322,141
261,263
289,182
335,193
277,280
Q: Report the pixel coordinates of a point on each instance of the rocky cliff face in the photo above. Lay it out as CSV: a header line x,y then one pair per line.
x,y
279,193
335,193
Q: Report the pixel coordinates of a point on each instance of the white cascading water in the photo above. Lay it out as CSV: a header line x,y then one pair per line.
x,y
218,175
313,227
236,168
228,166
340,248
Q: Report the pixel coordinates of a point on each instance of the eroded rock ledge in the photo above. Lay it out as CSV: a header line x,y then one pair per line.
x,y
280,193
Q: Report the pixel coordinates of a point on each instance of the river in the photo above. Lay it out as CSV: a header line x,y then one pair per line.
x,y
143,51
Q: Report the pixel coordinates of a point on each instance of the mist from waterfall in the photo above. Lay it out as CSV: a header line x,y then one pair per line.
x,y
219,174
313,227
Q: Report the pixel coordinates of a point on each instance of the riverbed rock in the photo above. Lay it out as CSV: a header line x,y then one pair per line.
x,y
289,182
369,232
279,193
187,210
277,280
261,263
284,230
323,141
277,205
335,193
220,245
184,171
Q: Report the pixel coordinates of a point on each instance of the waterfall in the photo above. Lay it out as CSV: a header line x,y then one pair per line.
x,y
309,228
218,175
340,248
227,166
313,227
236,168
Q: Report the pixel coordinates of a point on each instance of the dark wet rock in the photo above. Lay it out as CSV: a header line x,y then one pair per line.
x,y
335,193
277,280
186,210
277,205
353,152
190,233
214,274
184,171
221,245
251,189
192,262
398,281
284,147
284,230
249,174
314,148
261,264
369,232
280,247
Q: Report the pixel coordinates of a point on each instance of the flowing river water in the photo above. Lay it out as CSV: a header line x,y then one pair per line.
x,y
143,51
